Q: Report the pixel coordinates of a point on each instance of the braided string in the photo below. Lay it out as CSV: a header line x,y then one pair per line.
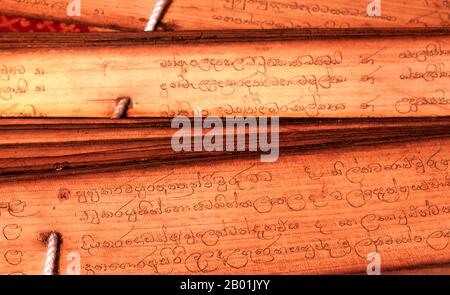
x,y
52,251
156,15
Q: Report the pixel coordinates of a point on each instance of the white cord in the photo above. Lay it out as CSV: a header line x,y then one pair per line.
x,y
160,5
121,108
52,250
